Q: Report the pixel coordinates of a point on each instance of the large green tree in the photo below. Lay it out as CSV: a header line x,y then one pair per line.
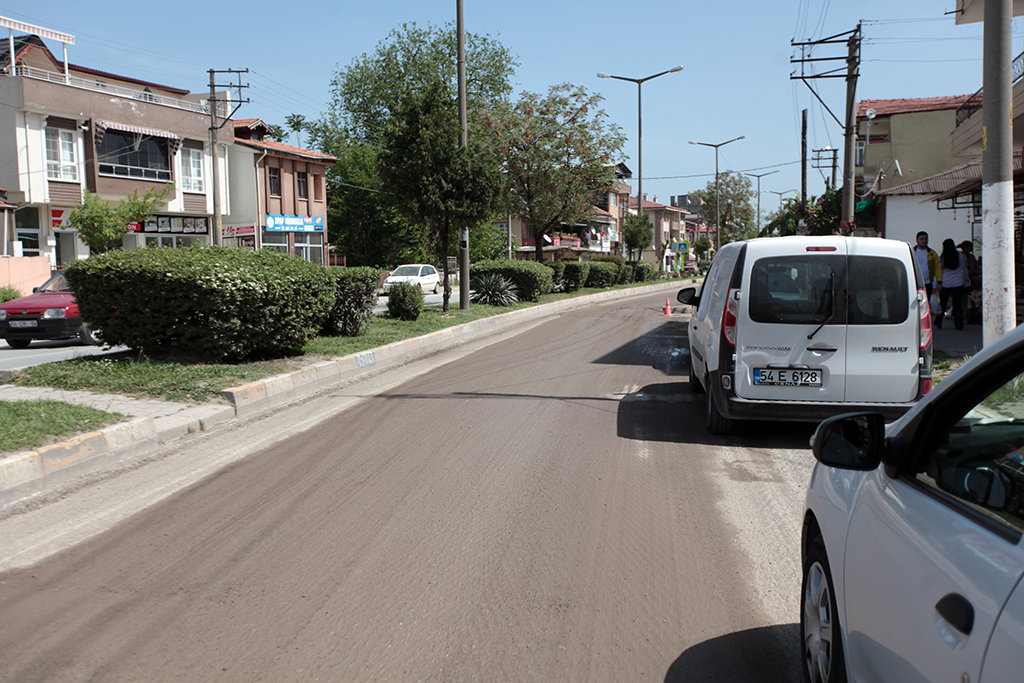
x,y
735,206
101,225
368,91
555,152
637,233
434,181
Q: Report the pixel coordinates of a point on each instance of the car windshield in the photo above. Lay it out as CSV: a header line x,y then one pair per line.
x,y
57,283
406,271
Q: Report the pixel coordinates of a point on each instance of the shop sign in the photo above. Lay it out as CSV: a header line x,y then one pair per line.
x,y
59,219
238,231
188,225
277,222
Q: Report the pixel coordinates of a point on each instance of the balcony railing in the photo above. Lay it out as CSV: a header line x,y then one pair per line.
x,y
109,89
974,102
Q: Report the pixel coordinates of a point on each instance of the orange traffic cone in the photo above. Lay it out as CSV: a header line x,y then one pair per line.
x,y
667,309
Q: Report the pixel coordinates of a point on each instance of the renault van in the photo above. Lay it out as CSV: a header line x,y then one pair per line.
x,y
804,328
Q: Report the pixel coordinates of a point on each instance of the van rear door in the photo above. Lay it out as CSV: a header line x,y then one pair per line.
x,y
883,328
791,333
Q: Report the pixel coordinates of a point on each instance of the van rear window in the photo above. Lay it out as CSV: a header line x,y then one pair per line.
x,y
811,289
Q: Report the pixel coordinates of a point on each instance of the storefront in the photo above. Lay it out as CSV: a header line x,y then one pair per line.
x,y
169,231
302,236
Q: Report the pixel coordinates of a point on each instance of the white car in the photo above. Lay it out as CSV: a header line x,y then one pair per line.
x,y
911,544
420,274
804,328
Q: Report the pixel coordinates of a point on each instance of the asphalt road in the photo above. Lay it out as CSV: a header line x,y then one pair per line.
x,y
548,507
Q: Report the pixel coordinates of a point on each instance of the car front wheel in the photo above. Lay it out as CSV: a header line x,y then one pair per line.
x,y
19,343
819,625
87,335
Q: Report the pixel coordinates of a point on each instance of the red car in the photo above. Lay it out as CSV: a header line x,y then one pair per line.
x,y
49,312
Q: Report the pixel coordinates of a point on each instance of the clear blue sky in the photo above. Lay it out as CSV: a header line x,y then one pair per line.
x,y
736,55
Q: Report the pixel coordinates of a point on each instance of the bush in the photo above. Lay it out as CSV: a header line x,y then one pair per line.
x,y
8,293
557,274
405,301
603,274
576,273
355,295
494,289
531,279
212,303
643,271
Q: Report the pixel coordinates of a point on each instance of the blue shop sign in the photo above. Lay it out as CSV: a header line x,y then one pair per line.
x,y
277,222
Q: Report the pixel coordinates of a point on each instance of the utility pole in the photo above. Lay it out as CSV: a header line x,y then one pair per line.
x,y
852,59
218,238
821,160
463,142
803,163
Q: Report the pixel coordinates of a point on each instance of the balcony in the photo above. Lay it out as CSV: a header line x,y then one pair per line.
x,y
110,89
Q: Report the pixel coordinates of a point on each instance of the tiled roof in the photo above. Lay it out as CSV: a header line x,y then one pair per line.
x,y
910,106
947,180
655,206
282,148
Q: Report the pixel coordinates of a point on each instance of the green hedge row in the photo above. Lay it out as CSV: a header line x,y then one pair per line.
x,y
531,279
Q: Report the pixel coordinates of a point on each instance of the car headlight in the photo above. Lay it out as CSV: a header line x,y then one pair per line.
x,y
52,313
3,314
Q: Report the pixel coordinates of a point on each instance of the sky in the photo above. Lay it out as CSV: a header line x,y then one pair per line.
x,y
736,58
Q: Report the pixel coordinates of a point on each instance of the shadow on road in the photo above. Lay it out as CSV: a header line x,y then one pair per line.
x,y
671,413
770,654
664,347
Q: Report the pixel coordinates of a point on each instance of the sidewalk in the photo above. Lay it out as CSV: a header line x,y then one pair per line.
x,y
957,343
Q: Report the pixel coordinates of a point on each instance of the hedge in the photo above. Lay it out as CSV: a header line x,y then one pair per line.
x,y
531,279
576,273
355,295
213,303
603,274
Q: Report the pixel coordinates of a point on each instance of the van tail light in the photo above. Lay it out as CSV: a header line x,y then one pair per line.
x,y
926,319
732,309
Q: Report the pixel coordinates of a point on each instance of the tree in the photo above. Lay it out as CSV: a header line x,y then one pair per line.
x,y
296,122
637,233
436,182
737,211
554,152
701,247
367,92
101,225
277,133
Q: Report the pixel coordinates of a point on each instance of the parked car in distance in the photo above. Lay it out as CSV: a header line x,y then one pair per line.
x,y
911,547
420,274
50,312
804,328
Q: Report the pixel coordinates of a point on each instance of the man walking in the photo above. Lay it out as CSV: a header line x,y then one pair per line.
x,y
928,260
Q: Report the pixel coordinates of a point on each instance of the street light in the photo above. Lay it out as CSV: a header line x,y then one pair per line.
x,y
718,213
639,131
780,195
759,176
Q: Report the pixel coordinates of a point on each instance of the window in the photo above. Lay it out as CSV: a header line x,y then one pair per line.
x,y
980,459
274,180
60,155
309,246
134,156
302,185
318,187
859,154
191,170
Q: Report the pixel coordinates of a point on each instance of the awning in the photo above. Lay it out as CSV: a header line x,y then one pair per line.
x,y
174,142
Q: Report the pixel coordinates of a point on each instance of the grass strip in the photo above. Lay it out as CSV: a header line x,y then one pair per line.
x,y
30,424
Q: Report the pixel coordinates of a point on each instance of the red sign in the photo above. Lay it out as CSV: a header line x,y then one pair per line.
x,y
238,231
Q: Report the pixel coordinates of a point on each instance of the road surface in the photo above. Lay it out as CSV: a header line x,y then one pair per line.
x,y
548,507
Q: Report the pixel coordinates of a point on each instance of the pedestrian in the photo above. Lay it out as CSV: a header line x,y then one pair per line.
x,y
928,260
952,284
973,265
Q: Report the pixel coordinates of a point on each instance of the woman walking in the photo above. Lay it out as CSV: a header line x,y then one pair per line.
x,y
954,283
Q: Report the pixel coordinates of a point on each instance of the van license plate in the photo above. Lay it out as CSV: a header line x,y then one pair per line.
x,y
785,377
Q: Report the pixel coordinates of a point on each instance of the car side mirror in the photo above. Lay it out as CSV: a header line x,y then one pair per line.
x,y
989,487
688,296
852,441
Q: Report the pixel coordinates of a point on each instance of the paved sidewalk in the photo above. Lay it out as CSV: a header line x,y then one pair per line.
x,y
111,403
957,343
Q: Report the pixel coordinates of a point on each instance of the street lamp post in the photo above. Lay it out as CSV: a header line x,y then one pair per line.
x,y
639,130
784,192
718,212
759,176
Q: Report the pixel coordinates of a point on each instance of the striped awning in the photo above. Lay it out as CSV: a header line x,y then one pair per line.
x,y
102,126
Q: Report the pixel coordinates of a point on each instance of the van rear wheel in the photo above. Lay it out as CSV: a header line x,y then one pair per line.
x,y
717,424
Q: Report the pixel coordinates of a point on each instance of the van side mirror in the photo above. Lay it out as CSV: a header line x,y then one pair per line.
x,y
688,296
852,441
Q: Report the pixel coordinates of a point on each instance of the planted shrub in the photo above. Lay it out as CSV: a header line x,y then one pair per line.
x,y
576,273
405,301
557,275
531,279
643,271
212,303
8,293
493,289
355,295
603,274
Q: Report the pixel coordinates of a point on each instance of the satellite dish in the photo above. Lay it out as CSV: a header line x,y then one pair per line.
x,y
870,113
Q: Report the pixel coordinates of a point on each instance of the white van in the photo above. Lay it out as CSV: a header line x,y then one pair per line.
x,y
803,328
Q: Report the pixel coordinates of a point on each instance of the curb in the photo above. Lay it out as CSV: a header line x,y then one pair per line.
x,y
28,473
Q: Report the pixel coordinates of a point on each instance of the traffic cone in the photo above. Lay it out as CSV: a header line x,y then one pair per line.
x,y
667,309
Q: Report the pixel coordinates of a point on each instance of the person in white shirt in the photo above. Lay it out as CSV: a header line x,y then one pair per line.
x,y
953,284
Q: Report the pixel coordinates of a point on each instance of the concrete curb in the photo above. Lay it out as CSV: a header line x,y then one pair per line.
x,y
29,473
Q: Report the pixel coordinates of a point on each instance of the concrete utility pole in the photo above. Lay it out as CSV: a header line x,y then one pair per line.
x,y
463,142
999,313
803,163
849,180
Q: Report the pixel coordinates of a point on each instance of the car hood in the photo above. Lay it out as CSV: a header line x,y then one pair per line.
x,y
40,300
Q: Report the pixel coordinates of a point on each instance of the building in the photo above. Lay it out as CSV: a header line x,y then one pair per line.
x,y
68,129
279,194
671,240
